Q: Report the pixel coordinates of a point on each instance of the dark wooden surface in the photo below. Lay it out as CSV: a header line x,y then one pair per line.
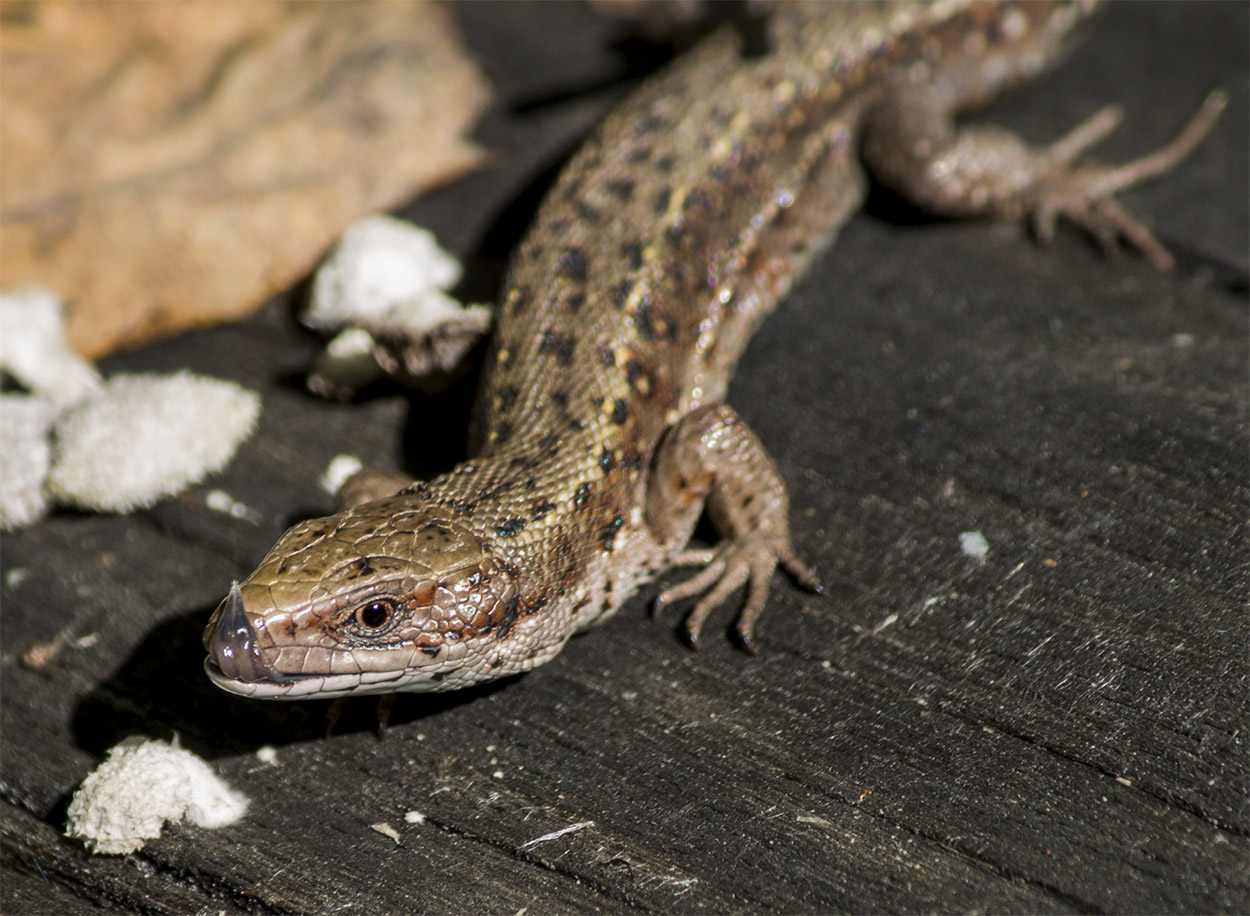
x,y
1060,728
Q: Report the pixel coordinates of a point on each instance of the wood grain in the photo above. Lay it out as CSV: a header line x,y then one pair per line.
x,y
1061,728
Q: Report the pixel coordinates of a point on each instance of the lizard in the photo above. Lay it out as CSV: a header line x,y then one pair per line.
x,y
600,432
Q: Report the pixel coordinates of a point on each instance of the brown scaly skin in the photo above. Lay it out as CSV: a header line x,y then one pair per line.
x,y
601,435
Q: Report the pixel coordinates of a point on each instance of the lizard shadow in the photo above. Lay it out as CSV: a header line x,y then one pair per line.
x,y
161,691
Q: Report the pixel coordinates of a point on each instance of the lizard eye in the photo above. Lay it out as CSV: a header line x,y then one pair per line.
x,y
375,614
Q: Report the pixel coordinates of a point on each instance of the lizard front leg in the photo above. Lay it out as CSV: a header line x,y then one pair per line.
x,y
911,145
710,458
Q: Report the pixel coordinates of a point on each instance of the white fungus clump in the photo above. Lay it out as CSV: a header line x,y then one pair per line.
x,y
25,457
385,283
141,785
33,348
379,269
147,436
113,447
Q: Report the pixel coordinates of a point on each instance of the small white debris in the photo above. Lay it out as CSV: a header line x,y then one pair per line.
x,y
141,785
267,755
815,820
498,774
414,817
974,544
15,576
889,621
337,471
40,654
147,436
352,343
25,457
555,834
33,348
388,831
1181,340
223,502
348,363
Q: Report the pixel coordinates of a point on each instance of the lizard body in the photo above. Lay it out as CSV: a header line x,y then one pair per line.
x,y
600,429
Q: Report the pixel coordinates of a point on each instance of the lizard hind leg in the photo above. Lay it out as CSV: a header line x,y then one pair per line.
x,y
711,458
911,145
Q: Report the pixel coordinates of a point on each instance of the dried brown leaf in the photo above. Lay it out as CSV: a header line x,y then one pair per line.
x,y
174,164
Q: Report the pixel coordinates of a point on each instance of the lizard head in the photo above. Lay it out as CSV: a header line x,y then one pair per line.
x,y
378,599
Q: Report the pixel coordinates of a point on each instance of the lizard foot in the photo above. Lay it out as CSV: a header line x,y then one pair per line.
x,y
1084,194
712,458
727,569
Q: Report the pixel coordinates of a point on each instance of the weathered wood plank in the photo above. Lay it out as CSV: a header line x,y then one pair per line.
x,y
1059,728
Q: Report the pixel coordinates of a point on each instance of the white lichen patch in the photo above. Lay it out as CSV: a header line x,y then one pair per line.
x,y
33,348
140,786
25,456
110,447
143,437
